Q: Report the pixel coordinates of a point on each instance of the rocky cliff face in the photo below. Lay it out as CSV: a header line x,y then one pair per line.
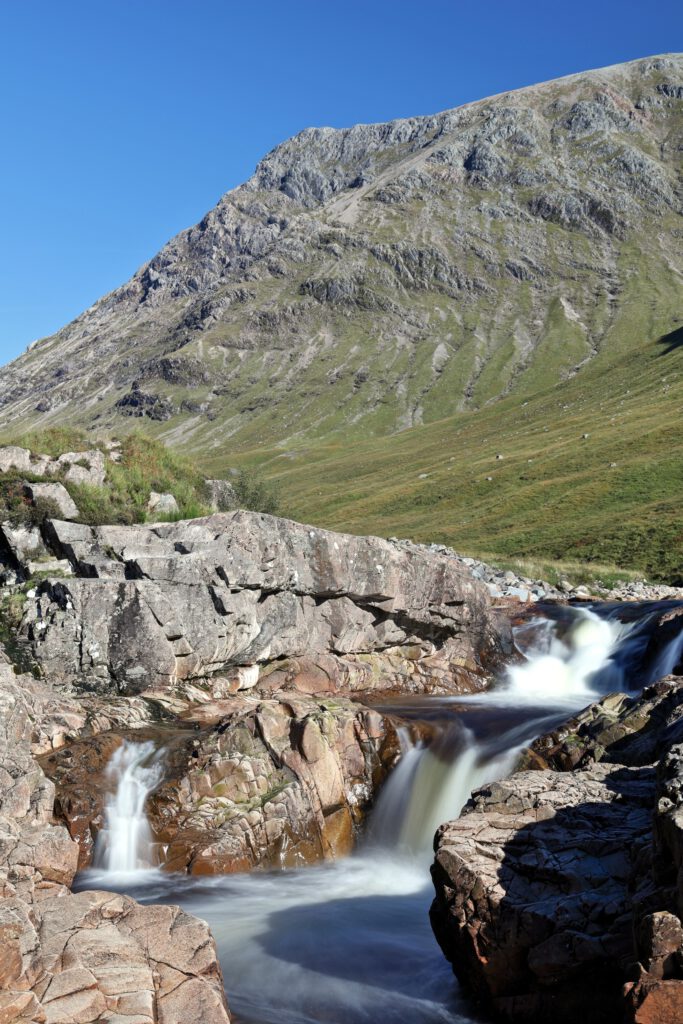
x,y
384,275
558,891
239,600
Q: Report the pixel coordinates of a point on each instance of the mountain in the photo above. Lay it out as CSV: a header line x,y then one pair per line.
x,y
463,327
375,278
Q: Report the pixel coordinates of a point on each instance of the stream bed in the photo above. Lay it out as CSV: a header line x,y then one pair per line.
x,y
349,942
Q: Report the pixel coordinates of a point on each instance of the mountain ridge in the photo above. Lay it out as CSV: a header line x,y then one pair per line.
x,y
368,279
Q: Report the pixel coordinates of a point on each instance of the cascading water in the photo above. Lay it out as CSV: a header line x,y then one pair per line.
x,y
350,941
432,782
430,785
574,668
125,843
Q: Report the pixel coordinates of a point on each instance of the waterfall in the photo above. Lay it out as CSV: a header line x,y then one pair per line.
x,y
574,668
331,942
431,784
568,665
669,658
125,843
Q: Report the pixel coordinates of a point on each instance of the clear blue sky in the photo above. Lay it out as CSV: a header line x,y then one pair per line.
x,y
123,121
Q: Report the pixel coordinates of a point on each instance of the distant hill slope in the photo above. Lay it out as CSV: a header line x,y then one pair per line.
x,y
381,277
589,470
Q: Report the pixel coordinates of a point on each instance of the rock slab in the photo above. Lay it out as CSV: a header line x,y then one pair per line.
x,y
156,606
558,892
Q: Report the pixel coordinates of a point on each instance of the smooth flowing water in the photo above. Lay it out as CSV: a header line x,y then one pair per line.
x,y
349,942
125,844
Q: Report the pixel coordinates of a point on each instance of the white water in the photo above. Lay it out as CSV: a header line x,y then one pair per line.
x,y
574,669
431,785
669,658
350,942
125,843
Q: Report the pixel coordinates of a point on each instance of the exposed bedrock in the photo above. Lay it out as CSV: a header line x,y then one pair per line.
x,y
275,783
559,892
221,603
92,956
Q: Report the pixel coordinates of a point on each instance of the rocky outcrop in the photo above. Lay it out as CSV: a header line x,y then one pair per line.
x,y
92,956
241,599
558,891
274,783
75,467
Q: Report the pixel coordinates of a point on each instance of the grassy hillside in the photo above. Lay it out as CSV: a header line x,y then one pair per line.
x,y
410,327
613,497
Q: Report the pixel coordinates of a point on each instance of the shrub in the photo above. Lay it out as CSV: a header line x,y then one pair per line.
x,y
42,509
254,493
18,509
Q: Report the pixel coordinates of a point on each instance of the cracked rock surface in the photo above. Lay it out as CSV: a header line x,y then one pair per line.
x,y
558,891
221,602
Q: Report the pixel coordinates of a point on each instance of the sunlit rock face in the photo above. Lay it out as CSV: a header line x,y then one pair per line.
x,y
241,600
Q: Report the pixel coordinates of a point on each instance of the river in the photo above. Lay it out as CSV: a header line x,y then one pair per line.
x,y
349,942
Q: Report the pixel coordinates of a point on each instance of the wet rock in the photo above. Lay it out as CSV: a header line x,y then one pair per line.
x,y
620,728
276,783
71,958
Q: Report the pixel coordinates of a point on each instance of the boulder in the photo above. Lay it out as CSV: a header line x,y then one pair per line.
x,y
13,457
80,467
162,504
57,493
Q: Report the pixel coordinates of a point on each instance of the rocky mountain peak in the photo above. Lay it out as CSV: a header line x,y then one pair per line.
x,y
371,278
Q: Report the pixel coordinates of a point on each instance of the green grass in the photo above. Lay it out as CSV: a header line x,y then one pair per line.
x,y
145,465
55,441
611,500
